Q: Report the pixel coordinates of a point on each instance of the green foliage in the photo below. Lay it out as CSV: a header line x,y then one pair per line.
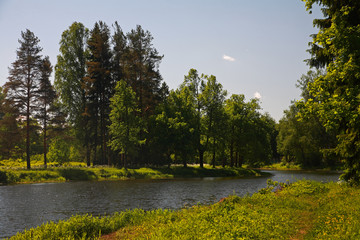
x,y
250,134
336,94
59,151
303,140
125,121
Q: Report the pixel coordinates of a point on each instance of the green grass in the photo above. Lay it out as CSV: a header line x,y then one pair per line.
x,y
60,174
302,210
283,166
21,164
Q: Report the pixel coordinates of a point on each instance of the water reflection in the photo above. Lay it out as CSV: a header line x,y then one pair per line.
x,y
26,206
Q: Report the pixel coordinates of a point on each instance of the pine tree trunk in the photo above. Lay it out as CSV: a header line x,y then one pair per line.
x,y
45,142
28,129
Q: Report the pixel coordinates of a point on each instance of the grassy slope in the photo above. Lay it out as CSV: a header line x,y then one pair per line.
x,y
303,210
60,174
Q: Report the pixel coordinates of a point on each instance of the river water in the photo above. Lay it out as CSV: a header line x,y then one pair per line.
x,y
26,206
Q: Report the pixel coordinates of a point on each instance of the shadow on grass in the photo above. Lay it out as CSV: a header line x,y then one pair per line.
x,y
77,174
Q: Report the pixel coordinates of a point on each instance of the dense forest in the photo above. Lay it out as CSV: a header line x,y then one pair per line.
x,y
109,105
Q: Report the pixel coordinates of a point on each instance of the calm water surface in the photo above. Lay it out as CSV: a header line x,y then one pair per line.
x,y
26,206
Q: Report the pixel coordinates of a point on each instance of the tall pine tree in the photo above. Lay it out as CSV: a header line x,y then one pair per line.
x,y
141,72
99,88
24,76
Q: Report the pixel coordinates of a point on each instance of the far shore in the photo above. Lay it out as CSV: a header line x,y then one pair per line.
x,y
101,173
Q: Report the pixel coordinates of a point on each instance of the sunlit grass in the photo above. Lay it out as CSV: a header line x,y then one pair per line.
x,y
283,166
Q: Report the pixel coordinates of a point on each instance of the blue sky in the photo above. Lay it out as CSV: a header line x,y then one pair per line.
x,y
255,48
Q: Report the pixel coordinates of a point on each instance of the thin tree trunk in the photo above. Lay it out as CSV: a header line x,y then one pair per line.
x,y
214,153
201,153
236,159
88,162
45,143
232,153
125,160
28,129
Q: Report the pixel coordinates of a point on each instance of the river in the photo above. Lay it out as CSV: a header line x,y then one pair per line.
x,y
29,205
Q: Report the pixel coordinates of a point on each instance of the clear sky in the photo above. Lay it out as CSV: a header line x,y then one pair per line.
x,y
253,47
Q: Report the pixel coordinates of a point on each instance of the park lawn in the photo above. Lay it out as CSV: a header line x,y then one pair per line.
x,y
302,210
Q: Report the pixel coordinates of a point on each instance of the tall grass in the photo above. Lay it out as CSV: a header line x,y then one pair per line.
x,y
86,226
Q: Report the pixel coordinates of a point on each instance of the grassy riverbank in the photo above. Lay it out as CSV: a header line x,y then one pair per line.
x,y
303,210
61,174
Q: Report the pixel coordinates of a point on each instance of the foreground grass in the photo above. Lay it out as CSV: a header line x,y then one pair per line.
x,y
60,174
303,210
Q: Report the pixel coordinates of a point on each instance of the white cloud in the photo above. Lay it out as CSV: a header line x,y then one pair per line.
x,y
257,95
228,58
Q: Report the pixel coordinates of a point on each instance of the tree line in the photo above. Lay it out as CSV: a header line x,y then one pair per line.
x,y
110,106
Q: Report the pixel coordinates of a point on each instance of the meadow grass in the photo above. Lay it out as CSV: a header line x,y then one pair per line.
x,y
301,210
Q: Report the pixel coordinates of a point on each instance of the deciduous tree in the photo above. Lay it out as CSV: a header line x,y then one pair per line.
x,y
69,81
125,122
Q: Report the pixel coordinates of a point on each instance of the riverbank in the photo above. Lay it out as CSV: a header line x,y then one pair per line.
x,y
302,210
62,174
